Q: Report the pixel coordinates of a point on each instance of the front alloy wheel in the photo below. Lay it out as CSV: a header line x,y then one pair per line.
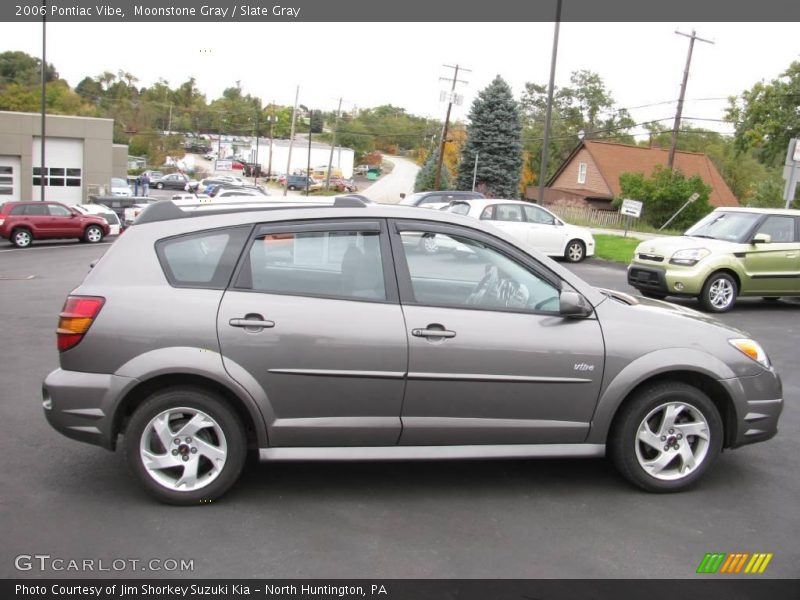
x,y
185,446
575,251
666,436
719,293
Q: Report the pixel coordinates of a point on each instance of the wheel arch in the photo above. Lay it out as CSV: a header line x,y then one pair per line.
x,y
727,271
687,365
703,382
248,415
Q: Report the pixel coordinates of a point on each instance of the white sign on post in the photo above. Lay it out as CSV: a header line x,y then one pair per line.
x,y
223,165
631,208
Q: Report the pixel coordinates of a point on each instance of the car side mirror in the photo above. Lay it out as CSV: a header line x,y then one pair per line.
x,y
573,304
762,238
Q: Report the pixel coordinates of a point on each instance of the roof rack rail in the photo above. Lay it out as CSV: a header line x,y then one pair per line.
x,y
167,210
351,201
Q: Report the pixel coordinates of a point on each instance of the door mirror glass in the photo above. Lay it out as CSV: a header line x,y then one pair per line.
x,y
572,304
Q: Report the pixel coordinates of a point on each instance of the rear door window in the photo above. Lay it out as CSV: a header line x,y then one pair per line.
x,y
332,264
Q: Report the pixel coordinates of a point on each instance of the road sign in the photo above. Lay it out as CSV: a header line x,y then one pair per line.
x,y
223,165
694,197
631,208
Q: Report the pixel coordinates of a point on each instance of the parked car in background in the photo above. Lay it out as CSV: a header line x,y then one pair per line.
x,y
340,184
119,204
174,181
306,331
23,222
102,211
154,176
120,187
437,200
299,182
732,252
203,185
531,224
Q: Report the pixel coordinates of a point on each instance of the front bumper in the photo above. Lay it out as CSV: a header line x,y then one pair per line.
x,y
82,405
668,280
758,402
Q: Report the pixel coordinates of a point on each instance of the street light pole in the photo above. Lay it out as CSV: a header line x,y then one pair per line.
x,y
291,142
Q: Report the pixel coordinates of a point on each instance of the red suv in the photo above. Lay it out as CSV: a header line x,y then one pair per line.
x,y
23,222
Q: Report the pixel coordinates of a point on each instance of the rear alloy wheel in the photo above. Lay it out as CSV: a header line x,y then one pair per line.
x,y
575,251
719,293
185,446
666,437
93,234
159,186
21,238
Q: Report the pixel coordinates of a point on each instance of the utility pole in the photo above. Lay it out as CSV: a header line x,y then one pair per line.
x,y
291,141
676,127
438,178
257,127
169,121
272,120
308,166
549,111
333,144
475,171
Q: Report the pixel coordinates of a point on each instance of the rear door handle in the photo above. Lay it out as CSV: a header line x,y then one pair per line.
x,y
252,322
433,333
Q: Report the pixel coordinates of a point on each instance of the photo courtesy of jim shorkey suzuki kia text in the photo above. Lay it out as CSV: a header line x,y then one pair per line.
x,y
375,590
221,11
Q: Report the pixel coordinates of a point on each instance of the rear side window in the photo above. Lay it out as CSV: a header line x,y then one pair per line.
x,y
18,210
202,260
343,264
36,210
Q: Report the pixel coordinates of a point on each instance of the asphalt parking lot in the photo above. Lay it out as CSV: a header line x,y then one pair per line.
x,y
488,519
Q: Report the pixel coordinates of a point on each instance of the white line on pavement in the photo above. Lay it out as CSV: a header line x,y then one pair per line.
x,y
20,250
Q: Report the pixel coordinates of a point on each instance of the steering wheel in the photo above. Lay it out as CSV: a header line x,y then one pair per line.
x,y
478,293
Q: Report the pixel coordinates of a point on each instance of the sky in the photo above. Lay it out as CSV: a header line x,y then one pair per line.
x,y
369,64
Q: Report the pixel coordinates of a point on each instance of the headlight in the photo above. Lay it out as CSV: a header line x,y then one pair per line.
x,y
689,257
752,349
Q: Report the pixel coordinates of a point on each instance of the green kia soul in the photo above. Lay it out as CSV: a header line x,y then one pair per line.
x,y
731,252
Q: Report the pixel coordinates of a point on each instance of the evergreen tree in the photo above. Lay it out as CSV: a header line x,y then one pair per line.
x,y
316,121
495,133
427,175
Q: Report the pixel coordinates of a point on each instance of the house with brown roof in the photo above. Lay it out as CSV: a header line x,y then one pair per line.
x,y
590,175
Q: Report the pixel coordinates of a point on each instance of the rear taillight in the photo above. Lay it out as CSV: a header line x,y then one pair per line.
x,y
76,317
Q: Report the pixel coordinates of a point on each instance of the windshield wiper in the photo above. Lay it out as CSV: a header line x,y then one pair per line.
x,y
708,237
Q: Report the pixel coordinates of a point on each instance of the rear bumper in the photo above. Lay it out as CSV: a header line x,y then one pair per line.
x,y
82,405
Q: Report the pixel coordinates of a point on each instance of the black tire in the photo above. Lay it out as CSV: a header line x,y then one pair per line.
x,y
625,448
653,295
291,187
191,399
93,234
21,237
709,295
159,186
575,251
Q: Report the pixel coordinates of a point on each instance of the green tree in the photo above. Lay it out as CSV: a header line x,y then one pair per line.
x,y
767,116
663,193
23,69
586,106
494,134
426,176
317,121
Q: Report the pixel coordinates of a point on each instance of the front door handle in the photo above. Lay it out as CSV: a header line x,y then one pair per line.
x,y
433,331
252,322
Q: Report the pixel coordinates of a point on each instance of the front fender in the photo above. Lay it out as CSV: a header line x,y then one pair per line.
x,y
658,362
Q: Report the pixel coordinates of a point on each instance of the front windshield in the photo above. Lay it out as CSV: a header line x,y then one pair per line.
x,y
727,226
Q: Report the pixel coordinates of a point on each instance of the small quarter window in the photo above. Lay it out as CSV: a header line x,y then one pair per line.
x,y
204,259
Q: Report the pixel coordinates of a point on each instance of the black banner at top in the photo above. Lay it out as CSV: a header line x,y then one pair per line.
x,y
400,11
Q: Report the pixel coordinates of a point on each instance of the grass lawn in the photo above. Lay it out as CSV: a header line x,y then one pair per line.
x,y
616,248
